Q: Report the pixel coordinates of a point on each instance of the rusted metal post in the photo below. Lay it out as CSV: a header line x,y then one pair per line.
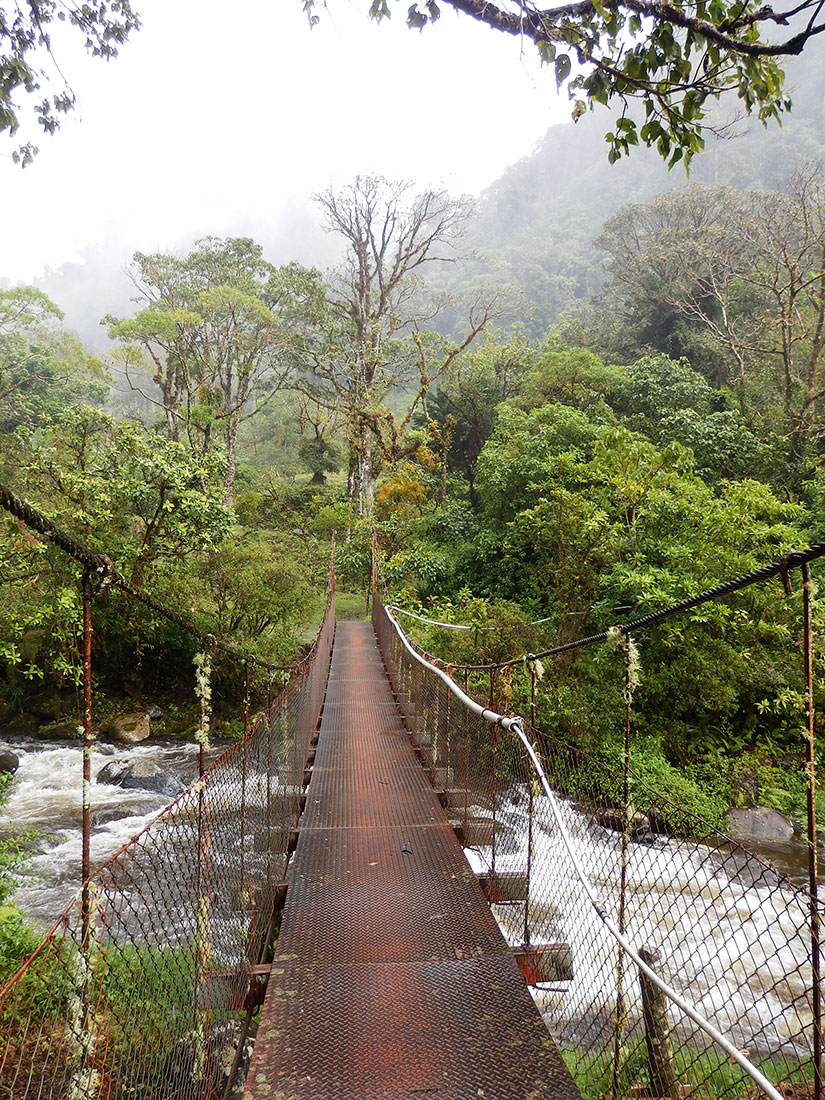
x,y
662,1071
85,869
269,820
627,814
84,1079
244,893
374,562
816,957
532,696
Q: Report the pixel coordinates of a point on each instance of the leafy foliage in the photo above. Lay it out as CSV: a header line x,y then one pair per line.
x,y
214,331
26,60
42,367
677,60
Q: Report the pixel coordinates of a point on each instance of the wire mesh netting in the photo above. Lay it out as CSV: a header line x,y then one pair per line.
x,y
141,987
718,924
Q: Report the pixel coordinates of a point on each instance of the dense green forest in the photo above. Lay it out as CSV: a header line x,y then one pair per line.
x,y
608,406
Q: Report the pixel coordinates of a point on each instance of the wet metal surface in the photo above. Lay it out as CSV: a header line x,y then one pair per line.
x,y
391,979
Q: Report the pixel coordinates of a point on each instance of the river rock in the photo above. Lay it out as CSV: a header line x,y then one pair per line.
x,y
613,818
658,822
107,814
70,730
140,775
155,713
47,706
9,761
761,825
126,728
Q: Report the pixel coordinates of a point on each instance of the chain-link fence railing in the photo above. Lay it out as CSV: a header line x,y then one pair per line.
x,y
645,935
142,988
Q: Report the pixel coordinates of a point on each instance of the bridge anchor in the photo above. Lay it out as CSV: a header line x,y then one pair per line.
x,y
547,962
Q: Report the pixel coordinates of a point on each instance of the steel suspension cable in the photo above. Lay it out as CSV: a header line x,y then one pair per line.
x,y
454,626
794,559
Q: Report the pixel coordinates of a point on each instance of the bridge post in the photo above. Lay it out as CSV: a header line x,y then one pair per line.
x,y
661,1068
813,869
628,649
203,691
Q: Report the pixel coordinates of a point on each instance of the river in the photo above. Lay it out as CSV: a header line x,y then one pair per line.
x,y
46,799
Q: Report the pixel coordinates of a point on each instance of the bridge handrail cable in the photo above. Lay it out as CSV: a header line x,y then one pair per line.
x,y
794,559
515,725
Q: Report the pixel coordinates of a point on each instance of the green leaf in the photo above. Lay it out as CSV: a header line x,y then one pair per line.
x,y
547,52
562,69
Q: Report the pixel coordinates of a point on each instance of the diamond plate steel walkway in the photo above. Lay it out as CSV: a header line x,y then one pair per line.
x,y
391,979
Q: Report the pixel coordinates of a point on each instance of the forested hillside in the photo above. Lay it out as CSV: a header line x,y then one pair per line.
x,y
538,223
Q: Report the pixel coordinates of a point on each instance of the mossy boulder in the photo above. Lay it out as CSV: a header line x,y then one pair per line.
x,y
128,729
70,729
48,706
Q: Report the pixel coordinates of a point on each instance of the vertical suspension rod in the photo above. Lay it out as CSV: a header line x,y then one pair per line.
x,y
620,1009
816,959
85,868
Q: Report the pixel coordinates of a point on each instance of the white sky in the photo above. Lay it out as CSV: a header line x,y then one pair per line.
x,y
222,117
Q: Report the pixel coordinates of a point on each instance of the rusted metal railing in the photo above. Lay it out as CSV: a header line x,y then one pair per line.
x,y
147,984
664,956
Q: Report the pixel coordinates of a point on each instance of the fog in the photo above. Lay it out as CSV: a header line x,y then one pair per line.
x,y
223,119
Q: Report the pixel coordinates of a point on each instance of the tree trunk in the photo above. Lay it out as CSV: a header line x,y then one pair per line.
x,y
352,470
367,486
231,462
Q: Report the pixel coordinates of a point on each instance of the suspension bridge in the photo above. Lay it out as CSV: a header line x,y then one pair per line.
x,y
388,952
389,889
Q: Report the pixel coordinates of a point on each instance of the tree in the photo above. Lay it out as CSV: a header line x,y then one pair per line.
x,y
748,271
371,341
787,233
316,425
27,61
676,57
215,328
469,395
147,501
125,491
42,367
257,591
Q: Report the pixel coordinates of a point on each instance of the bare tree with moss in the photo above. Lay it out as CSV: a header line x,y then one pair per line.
x,y
374,338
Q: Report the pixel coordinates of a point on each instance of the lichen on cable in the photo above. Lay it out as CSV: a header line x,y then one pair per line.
x,y
617,639
203,690
535,666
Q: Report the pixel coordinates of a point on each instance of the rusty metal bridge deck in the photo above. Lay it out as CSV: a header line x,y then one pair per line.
x,y
391,978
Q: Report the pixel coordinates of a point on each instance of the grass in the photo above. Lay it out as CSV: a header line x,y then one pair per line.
x,y
351,605
711,1074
